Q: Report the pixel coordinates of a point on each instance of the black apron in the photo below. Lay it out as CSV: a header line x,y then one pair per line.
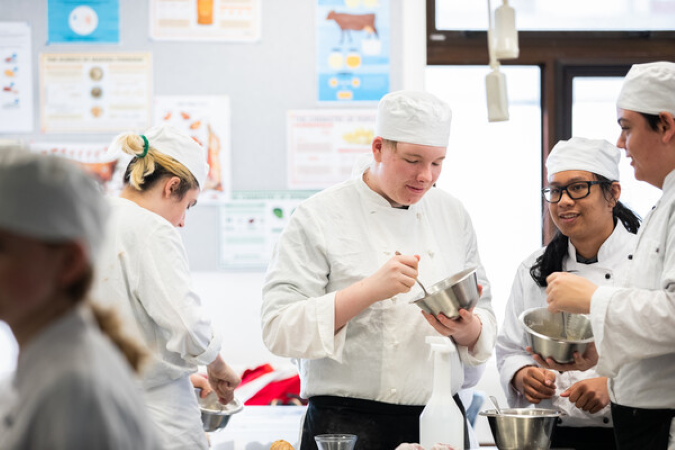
x,y
379,426
642,429
583,438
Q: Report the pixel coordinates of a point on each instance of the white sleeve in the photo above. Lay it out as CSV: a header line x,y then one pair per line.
x,y
511,341
631,324
165,290
298,315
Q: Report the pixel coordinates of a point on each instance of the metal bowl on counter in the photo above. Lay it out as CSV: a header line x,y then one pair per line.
x,y
557,335
522,428
459,291
215,415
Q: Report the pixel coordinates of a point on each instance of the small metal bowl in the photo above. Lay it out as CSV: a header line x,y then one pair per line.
x,y
545,332
522,428
214,414
460,291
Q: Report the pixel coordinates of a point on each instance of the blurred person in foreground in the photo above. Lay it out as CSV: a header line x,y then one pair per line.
x,y
596,235
74,386
634,325
337,292
145,274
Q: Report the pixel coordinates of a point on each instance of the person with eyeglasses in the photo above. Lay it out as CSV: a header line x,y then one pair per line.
x,y
634,324
595,235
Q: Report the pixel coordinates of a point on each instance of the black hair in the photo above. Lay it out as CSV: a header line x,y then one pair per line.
x,y
556,251
652,120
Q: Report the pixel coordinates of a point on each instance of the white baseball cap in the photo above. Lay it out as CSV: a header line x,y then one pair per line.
x,y
52,199
592,155
415,118
649,88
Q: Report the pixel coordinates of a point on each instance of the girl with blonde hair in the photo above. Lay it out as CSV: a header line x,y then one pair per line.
x,y
145,272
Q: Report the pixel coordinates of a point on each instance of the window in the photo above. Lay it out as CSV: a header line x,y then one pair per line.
x,y
483,157
570,15
594,116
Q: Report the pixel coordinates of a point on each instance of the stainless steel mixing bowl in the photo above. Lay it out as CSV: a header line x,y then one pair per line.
x,y
460,291
522,428
214,414
545,331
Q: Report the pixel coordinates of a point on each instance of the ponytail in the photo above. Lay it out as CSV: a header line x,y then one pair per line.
x,y
150,165
108,321
110,324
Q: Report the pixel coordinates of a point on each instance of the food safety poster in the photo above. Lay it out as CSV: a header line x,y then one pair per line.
x,y
105,168
205,20
324,145
16,72
95,92
207,120
352,61
83,21
250,225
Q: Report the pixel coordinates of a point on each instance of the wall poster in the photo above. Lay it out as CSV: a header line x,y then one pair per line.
x,y
352,62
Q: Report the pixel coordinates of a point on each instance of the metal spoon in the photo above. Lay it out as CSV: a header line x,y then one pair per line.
x,y
564,325
426,294
494,402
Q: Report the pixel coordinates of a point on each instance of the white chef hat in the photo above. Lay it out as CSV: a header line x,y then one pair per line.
x,y
50,198
592,155
415,118
649,88
176,144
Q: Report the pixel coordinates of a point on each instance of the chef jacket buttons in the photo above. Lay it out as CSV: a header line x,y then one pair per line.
x,y
559,420
393,390
608,276
630,257
605,420
419,215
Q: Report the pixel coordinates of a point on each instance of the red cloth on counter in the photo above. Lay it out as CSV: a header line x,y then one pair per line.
x,y
281,392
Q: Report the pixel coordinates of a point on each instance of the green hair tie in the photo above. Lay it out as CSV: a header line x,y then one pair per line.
x,y
145,147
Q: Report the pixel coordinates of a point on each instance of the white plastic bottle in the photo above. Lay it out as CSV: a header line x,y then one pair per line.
x,y
442,422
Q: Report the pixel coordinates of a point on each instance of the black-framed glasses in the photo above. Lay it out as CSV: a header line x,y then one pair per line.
x,y
575,191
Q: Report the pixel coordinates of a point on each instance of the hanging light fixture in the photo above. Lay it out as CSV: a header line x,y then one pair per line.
x,y
502,44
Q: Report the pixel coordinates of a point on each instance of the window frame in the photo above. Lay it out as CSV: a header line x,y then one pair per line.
x,y
561,55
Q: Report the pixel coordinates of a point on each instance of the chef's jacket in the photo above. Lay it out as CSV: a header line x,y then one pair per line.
x,y
634,326
74,390
339,237
144,273
526,293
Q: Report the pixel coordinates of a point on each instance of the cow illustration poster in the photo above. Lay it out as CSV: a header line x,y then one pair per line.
x,y
352,50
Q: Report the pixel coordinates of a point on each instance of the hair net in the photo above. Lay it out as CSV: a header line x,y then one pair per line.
x,y
592,155
50,198
649,88
415,118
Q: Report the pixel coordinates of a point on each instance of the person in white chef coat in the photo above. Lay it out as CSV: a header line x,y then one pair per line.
x,y
337,295
596,235
74,387
634,325
145,273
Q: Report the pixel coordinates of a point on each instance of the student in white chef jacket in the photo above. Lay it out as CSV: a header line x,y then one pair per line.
x,y
337,296
595,237
145,273
74,387
634,325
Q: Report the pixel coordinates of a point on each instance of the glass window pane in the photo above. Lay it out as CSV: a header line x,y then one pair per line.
x,y
494,169
570,15
594,116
